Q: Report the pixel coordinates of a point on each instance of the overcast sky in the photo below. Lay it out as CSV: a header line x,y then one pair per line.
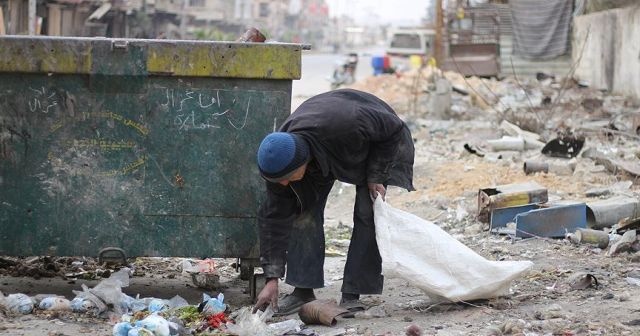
x,y
398,12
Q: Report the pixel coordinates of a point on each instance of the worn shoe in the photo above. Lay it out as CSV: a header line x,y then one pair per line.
x,y
353,306
290,304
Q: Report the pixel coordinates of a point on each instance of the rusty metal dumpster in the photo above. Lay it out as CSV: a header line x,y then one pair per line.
x,y
144,145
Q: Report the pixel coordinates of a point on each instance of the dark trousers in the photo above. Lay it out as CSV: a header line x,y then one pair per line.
x,y
305,255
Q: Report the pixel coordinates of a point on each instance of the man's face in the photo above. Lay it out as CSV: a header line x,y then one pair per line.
x,y
297,175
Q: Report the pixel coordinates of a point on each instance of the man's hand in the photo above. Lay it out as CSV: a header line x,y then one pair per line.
x,y
375,188
268,295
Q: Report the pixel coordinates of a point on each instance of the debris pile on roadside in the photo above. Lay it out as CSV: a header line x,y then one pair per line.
x,y
150,316
580,143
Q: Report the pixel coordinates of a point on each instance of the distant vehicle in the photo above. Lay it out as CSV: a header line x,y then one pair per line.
x,y
344,72
411,41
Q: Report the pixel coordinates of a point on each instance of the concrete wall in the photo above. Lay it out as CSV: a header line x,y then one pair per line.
x,y
610,60
626,70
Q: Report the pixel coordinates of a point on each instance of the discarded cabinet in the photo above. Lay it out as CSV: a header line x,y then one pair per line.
x,y
502,216
145,145
543,220
553,220
509,195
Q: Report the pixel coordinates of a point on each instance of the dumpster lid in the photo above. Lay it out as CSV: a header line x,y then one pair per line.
x,y
105,56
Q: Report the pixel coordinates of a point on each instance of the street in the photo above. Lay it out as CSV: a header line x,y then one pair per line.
x,y
317,67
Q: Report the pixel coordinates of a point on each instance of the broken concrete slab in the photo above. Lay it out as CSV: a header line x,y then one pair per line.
x,y
617,166
604,191
624,244
531,140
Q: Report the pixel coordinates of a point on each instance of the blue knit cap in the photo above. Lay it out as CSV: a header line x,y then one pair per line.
x,y
281,153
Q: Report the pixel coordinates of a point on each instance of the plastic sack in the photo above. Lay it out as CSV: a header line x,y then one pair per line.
x,y
87,302
158,325
158,305
108,291
129,304
212,306
139,331
122,329
54,303
423,254
248,324
17,303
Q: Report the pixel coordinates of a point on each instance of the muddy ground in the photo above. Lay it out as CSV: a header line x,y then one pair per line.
x,y
447,178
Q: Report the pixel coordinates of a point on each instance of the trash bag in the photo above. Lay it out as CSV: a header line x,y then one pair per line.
x,y
211,306
17,303
106,292
421,253
249,324
54,303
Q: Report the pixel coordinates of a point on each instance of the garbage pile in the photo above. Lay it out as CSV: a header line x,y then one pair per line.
x,y
135,316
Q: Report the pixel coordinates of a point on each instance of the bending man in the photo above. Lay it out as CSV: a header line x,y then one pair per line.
x,y
344,135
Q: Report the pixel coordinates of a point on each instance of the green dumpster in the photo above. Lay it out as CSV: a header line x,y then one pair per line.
x,y
143,145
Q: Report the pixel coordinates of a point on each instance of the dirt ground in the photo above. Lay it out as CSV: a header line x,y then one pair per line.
x,y
447,179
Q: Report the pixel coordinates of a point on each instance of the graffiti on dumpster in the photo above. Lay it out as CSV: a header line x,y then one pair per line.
x,y
42,100
127,169
199,109
114,116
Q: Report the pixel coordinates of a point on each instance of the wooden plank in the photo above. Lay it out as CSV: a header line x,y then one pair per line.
x,y
53,25
2,30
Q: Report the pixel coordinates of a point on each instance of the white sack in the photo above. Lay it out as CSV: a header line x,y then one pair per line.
x,y
427,257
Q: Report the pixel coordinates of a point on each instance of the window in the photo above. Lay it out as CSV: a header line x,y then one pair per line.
x,y
409,41
264,9
196,3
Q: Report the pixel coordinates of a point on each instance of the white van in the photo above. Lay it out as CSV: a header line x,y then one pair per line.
x,y
411,41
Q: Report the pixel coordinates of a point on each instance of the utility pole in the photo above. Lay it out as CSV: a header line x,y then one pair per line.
x,y
439,46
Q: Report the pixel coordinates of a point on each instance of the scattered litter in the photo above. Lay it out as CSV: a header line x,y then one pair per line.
x,y
606,213
509,195
55,304
588,236
17,303
582,281
323,312
212,306
531,167
624,244
373,312
507,143
413,330
565,145
203,274
249,324
633,281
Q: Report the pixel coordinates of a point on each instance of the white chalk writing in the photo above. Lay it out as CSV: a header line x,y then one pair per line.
x,y
199,109
41,100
